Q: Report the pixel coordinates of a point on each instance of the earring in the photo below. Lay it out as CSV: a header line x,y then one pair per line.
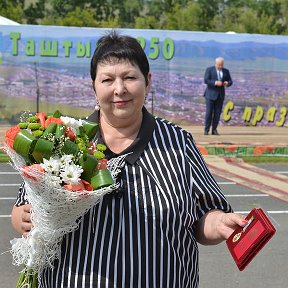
x,y
97,106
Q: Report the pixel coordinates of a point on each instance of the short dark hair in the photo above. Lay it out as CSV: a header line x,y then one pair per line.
x,y
122,47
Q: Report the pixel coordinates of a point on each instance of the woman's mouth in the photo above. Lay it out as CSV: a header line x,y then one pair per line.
x,y
121,103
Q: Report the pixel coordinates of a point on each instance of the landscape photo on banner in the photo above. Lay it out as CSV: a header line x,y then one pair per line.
x,y
47,68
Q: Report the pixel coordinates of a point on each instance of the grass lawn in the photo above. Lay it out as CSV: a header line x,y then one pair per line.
x,y
265,159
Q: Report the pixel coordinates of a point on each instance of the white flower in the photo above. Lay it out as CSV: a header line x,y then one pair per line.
x,y
66,158
71,122
71,173
51,166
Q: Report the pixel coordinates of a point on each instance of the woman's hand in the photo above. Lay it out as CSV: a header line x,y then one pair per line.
x,y
216,226
21,219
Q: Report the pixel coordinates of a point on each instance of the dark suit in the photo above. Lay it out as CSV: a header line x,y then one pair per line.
x,y
214,96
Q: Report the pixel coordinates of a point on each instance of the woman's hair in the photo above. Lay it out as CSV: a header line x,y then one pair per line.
x,y
117,47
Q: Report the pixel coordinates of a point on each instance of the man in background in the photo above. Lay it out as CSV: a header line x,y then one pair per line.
x,y
217,78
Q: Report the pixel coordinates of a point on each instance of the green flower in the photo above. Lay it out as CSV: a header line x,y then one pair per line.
x,y
32,119
99,155
101,147
34,126
23,125
81,146
37,133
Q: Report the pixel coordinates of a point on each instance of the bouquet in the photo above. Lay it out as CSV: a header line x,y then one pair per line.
x,y
65,174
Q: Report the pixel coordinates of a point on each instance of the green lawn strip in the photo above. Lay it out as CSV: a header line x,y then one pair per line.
x,y
265,159
250,152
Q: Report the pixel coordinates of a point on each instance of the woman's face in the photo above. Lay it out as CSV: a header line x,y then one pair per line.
x,y
120,89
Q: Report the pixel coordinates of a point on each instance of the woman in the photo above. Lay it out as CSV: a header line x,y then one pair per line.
x,y
144,234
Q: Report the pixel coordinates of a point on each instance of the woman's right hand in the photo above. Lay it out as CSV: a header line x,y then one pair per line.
x,y
21,219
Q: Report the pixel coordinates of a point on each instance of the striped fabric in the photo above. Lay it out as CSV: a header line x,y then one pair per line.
x,y
22,198
143,236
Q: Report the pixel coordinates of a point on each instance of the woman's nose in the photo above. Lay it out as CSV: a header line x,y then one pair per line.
x,y
119,87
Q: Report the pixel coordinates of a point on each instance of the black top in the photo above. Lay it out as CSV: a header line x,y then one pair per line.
x,y
145,237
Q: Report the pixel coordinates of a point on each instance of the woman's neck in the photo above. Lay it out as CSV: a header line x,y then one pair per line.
x,y
120,137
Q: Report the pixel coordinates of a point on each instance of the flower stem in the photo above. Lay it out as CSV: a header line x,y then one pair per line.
x,y
27,279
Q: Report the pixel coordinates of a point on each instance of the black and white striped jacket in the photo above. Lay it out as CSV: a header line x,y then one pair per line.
x,y
144,236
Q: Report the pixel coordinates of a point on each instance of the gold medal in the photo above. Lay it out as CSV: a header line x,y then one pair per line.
x,y
236,237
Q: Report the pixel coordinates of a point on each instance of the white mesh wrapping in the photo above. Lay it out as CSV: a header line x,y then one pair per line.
x,y
55,213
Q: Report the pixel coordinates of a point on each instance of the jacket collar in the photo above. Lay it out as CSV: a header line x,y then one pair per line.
x,y
135,150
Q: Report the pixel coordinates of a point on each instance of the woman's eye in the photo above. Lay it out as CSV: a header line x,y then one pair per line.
x,y
129,77
106,80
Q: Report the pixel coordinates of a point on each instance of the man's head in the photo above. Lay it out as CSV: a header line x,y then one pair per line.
x,y
219,63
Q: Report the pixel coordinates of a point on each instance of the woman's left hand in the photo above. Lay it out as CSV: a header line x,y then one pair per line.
x,y
226,223
216,226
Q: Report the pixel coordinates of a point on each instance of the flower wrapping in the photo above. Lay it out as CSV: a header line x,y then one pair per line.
x,y
59,196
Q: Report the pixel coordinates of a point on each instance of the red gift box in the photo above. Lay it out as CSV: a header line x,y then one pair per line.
x,y
245,242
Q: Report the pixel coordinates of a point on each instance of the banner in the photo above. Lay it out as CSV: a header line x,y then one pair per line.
x,y
47,67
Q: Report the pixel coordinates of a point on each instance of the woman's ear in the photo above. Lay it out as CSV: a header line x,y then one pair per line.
x,y
148,86
97,106
93,86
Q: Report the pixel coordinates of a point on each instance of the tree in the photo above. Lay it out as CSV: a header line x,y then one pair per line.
x,y
35,11
148,22
245,16
12,10
208,10
78,17
183,19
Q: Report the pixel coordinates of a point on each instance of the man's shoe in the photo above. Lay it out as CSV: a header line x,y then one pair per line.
x,y
205,133
215,132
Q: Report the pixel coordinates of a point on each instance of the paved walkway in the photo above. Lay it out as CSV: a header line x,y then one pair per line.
x,y
241,135
250,176
248,141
